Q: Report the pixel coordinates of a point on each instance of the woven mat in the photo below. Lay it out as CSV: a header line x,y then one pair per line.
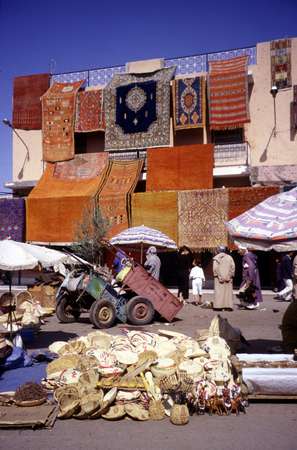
x,y
201,218
55,206
188,103
228,93
180,168
89,111
58,113
27,91
137,110
82,167
121,181
242,199
12,219
156,210
280,54
28,417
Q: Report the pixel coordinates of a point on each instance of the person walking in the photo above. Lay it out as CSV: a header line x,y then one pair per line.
x,y
286,269
250,279
223,272
184,264
198,278
153,262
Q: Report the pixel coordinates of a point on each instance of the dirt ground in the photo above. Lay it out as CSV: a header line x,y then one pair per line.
x,y
267,425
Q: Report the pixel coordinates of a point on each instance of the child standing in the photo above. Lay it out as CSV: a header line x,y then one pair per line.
x,y
198,278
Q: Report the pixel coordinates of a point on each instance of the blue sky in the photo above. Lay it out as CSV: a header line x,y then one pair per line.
x,y
99,33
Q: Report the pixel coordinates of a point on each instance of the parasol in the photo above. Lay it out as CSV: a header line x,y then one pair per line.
x,y
270,225
143,236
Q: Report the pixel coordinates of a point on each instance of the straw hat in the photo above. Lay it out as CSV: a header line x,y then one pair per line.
x,y
127,395
56,346
115,412
192,368
126,357
70,389
90,403
165,349
100,340
70,376
164,366
108,399
137,411
76,347
105,358
62,363
89,378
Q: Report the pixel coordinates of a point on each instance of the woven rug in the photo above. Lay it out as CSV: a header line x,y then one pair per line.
x,y
12,219
201,218
89,111
56,205
228,93
58,112
180,168
83,167
137,110
280,54
27,90
121,181
189,103
156,210
274,175
244,198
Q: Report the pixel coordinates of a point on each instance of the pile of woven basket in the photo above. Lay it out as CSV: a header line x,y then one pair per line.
x,y
140,375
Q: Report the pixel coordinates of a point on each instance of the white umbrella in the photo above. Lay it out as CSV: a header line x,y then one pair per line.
x,y
141,236
20,256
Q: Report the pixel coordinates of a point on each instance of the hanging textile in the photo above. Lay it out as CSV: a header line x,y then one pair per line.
x,y
180,168
58,112
294,110
12,219
57,203
228,93
280,54
189,103
89,111
201,218
27,91
274,175
242,199
114,198
156,210
137,110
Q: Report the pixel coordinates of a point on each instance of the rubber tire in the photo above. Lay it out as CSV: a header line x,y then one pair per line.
x,y
95,310
61,313
144,316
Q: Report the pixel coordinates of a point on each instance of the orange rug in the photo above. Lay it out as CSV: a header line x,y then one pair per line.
x,y
244,198
201,218
55,206
180,168
114,197
58,113
156,210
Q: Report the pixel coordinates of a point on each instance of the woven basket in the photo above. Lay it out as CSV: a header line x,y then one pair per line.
x,y
156,410
179,414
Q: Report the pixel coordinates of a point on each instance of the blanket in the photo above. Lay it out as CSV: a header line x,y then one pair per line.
x,y
137,110
156,210
27,91
89,111
58,113
180,168
228,93
243,198
280,54
201,218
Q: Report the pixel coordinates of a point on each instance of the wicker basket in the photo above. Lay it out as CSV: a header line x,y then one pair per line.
x,y
156,410
179,414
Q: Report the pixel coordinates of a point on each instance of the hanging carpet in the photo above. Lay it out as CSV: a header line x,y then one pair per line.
x,y
280,53
89,111
27,90
274,175
294,111
121,181
228,93
137,110
201,218
180,168
12,219
57,203
156,210
58,113
189,103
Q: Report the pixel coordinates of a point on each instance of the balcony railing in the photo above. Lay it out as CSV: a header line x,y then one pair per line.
x,y
231,154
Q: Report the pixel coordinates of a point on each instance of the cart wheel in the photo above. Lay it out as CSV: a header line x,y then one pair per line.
x,y
66,311
140,311
103,314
